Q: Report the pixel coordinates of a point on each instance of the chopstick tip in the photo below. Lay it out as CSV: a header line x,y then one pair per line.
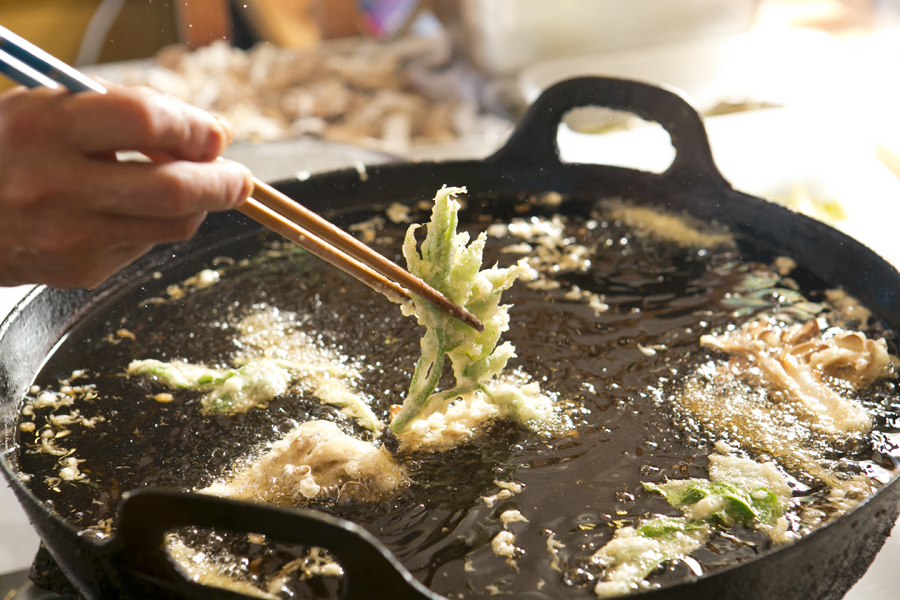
x,y
470,320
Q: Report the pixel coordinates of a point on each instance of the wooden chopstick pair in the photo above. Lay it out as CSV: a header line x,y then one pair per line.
x,y
29,65
294,221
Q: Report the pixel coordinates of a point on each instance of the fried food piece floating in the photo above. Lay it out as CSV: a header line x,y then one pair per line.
x,y
316,460
795,360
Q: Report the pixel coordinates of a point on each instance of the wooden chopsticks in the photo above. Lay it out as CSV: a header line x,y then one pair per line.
x,y
297,223
29,65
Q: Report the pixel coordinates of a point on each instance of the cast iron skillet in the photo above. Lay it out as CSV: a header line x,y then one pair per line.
x,y
131,564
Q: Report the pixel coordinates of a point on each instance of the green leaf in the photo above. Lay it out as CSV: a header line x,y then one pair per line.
x,y
452,265
664,526
227,390
726,503
632,555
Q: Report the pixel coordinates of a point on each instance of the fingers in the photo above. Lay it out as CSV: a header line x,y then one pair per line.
x,y
146,121
69,235
122,119
68,250
163,190
94,185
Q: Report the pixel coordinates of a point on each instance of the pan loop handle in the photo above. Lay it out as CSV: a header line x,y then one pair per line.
x,y
146,516
534,139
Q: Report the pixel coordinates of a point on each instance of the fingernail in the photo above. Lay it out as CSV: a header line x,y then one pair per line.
x,y
227,129
220,135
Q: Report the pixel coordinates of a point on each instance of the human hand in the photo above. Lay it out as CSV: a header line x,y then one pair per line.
x,y
71,215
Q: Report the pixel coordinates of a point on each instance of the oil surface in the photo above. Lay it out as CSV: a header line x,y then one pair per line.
x,y
579,487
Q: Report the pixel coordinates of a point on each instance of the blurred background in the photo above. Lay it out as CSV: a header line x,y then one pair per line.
x,y
301,80
802,97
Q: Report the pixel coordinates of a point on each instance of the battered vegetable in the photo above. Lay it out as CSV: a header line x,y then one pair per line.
x,y
633,554
227,390
793,359
316,460
739,490
277,356
449,263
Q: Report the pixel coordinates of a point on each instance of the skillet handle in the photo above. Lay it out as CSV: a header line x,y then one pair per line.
x,y
534,140
370,570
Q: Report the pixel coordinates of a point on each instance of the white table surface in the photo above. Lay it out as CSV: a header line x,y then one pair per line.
x,y
18,541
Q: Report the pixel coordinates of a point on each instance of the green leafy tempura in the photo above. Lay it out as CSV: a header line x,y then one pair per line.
x,y
721,501
633,554
255,384
662,527
450,264
227,390
739,491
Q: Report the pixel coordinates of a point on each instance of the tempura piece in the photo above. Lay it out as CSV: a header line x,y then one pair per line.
x,y
316,460
199,567
633,554
445,426
227,390
739,490
794,359
450,264
681,229
276,357
320,370
318,562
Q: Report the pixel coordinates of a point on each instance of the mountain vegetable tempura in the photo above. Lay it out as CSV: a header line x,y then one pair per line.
x,y
447,262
